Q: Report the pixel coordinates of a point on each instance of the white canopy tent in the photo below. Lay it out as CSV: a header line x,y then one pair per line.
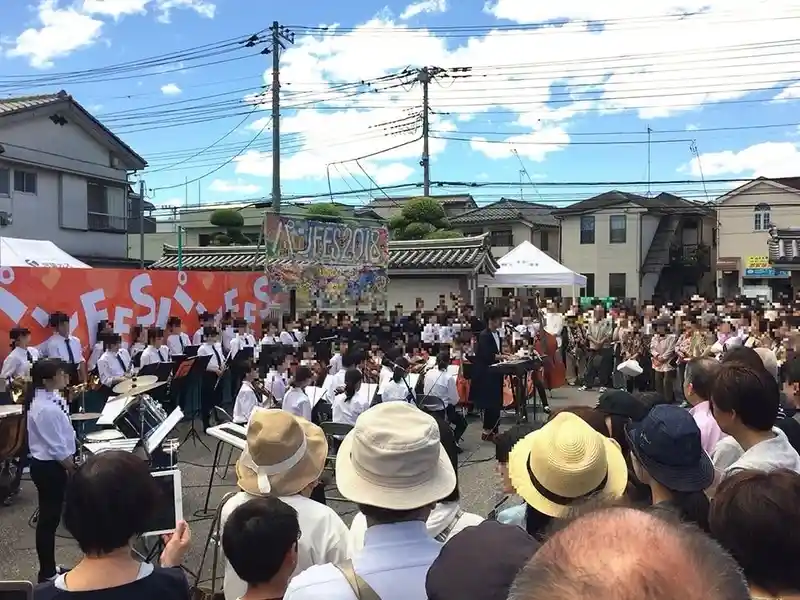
x,y
527,266
15,252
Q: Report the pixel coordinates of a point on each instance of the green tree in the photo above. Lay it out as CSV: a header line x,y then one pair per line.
x,y
327,212
421,219
230,221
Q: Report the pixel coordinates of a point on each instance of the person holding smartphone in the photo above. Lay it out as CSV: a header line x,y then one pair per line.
x,y
51,440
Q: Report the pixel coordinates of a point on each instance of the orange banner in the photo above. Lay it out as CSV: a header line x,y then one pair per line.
x,y
125,298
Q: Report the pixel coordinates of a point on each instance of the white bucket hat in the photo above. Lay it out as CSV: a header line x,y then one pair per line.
x,y
393,459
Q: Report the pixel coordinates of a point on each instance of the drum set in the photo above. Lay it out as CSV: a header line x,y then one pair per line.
x,y
132,419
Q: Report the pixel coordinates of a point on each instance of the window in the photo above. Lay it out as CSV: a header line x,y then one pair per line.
x,y
204,239
587,230
5,182
24,181
544,241
617,229
502,237
588,291
761,221
106,207
616,285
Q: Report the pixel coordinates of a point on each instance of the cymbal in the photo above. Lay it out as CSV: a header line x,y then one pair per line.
x,y
123,387
84,416
140,389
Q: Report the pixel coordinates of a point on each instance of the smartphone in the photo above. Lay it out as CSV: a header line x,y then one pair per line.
x,y
16,590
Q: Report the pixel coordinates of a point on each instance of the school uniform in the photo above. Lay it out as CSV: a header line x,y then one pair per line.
x,y
246,402
197,338
397,391
177,343
238,343
442,385
335,364
18,363
68,349
291,338
296,402
152,355
275,383
210,393
346,410
135,352
94,356
111,367
51,440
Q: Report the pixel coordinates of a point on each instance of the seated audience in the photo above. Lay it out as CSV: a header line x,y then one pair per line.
x,y
745,404
668,457
395,475
110,501
489,574
653,559
561,465
270,526
755,516
284,458
504,442
446,519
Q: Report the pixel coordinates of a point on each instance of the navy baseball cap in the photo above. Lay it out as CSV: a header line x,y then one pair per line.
x,y
667,444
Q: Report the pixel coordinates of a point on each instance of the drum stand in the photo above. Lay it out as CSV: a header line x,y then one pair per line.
x,y
194,435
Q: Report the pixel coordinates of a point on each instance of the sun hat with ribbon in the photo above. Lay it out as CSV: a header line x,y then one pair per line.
x,y
284,454
564,462
393,458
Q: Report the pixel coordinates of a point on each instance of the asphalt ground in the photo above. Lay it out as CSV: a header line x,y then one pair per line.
x,y
478,482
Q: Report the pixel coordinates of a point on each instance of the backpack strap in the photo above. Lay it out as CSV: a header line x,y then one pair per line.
x,y
360,588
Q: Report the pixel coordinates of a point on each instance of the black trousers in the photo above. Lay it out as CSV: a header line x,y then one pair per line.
x,y
491,418
50,479
540,389
457,420
209,397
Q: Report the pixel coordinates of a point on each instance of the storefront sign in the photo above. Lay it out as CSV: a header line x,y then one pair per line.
x,y
757,262
728,263
125,297
766,273
351,243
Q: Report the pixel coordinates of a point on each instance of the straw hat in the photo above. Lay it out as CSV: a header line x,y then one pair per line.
x,y
393,458
284,454
565,461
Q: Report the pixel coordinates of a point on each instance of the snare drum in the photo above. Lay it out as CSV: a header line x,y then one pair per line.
x,y
140,418
104,435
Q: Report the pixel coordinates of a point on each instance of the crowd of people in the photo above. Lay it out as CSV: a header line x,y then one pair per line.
x,y
695,432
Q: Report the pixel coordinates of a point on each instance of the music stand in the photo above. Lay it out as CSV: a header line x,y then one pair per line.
x,y
182,373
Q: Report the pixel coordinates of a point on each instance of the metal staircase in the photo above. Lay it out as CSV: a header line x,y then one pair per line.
x,y
657,256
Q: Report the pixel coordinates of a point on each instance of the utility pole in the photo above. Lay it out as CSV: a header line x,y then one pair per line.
x,y
279,36
424,77
141,224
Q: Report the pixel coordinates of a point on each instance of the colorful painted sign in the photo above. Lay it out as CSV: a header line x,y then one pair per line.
x,y
351,243
757,262
125,298
329,286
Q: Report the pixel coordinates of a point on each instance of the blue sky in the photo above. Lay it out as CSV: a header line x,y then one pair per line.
x,y
565,91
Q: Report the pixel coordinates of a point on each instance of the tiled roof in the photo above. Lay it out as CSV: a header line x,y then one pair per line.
x,y
469,254
20,103
507,209
10,106
664,202
448,199
784,246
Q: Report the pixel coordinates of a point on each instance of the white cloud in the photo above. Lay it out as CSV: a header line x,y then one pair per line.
x,y
623,65
233,187
170,89
423,6
788,93
61,31
768,159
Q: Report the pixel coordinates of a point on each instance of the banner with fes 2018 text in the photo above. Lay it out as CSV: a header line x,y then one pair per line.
x,y
125,297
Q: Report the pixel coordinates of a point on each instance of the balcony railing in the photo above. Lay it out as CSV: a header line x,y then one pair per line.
x,y
690,255
105,222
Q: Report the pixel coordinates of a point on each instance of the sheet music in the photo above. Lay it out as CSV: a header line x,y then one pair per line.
x,y
122,445
162,431
113,409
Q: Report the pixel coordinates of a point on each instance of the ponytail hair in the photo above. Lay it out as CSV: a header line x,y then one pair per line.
x,y
400,369
443,360
352,381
